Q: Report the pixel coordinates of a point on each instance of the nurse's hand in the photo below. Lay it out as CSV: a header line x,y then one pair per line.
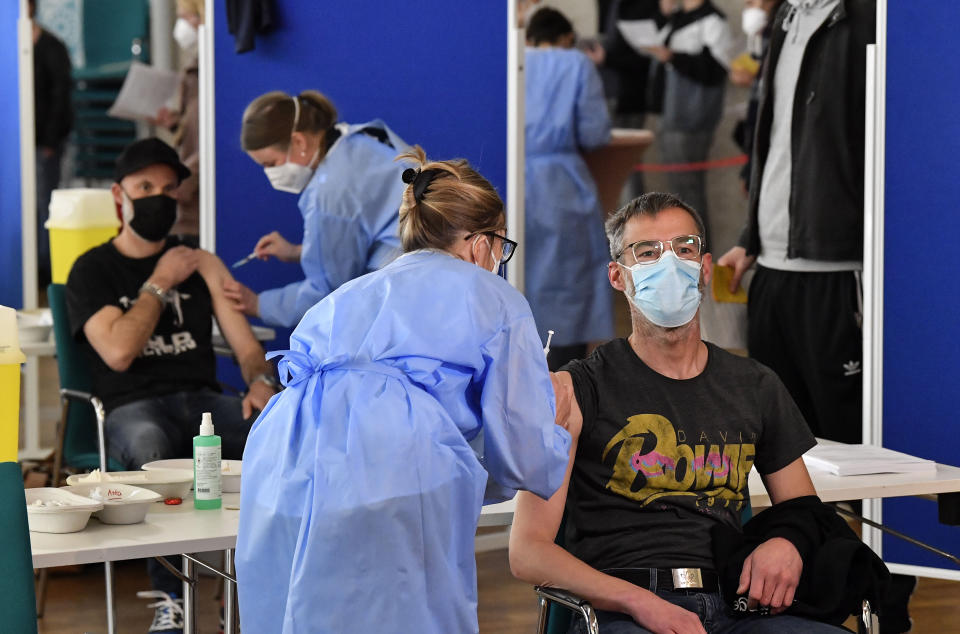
x,y
241,297
274,244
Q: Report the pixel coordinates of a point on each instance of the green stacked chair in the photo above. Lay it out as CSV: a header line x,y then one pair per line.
x,y
16,562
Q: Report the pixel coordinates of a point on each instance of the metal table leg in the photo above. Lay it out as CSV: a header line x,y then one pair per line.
x,y
189,598
230,620
111,604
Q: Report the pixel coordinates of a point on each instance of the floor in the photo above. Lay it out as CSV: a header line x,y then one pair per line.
x,y
507,606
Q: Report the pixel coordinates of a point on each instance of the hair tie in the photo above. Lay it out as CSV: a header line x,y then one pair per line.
x,y
420,179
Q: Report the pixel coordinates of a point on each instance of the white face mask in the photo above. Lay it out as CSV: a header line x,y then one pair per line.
x,y
496,261
184,33
291,177
754,20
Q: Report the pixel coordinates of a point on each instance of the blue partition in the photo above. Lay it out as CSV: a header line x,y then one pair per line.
x,y
922,281
11,281
434,70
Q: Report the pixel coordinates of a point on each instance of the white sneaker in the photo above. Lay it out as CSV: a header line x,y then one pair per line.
x,y
168,614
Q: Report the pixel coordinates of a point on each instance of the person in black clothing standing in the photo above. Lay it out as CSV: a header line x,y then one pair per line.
x,y
54,119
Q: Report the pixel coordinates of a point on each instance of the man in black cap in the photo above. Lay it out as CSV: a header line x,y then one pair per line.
x,y
142,304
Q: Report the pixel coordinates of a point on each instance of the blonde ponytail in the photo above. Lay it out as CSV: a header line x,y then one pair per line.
x,y
456,199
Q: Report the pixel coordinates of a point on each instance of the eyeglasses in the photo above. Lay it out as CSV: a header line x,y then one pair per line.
x,y
508,248
650,251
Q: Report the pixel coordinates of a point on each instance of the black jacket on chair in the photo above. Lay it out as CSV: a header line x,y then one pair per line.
x,y
839,570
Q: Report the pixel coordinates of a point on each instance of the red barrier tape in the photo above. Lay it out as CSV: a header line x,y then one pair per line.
x,y
732,161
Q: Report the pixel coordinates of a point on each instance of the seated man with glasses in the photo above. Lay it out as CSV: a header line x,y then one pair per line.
x,y
669,428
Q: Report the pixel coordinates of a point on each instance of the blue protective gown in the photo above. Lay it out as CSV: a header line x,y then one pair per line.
x,y
566,259
363,479
350,212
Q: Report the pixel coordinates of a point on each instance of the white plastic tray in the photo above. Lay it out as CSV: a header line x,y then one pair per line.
x,y
169,483
52,510
230,471
122,503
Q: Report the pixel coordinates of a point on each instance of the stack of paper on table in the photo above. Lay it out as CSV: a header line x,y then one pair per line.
x,y
840,459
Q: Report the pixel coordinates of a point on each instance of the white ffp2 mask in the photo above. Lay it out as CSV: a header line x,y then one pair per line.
x,y
184,33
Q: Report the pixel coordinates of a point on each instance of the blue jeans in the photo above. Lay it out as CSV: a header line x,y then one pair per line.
x,y
163,427
716,617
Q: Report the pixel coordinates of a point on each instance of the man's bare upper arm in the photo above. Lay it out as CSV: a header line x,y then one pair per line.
x,y
233,324
569,415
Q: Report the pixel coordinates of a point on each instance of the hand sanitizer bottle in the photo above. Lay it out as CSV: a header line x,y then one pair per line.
x,y
206,466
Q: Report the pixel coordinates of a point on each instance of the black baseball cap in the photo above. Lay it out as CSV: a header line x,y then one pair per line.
x,y
147,152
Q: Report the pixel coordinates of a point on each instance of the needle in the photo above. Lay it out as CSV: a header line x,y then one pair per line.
x,y
546,349
240,263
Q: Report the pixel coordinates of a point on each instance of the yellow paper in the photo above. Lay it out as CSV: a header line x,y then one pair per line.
x,y
10,359
721,286
746,62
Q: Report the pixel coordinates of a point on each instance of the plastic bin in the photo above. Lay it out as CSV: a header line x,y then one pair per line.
x,y
10,359
80,219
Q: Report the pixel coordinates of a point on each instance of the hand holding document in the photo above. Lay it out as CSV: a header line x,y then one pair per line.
x,y
640,34
145,90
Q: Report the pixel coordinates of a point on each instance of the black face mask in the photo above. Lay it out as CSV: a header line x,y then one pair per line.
x,y
153,217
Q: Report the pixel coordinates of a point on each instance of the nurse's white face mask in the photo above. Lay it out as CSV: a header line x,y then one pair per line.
x,y
496,261
184,33
291,177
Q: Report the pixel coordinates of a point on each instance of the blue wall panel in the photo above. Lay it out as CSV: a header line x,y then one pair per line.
x,y
434,70
10,267
922,277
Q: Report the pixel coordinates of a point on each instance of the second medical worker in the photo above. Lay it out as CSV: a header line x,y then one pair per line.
x,y
350,190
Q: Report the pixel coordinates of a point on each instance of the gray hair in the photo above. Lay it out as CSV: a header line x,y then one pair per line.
x,y
649,204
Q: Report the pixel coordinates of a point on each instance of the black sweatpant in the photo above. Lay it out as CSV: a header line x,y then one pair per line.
x,y
806,327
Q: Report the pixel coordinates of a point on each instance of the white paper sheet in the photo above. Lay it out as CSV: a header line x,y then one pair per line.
x,y
639,34
145,90
842,459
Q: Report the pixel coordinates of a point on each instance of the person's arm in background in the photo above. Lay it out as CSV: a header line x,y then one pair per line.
x,y
537,559
236,330
593,119
118,336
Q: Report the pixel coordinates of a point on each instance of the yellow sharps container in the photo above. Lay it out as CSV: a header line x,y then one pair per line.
x,y
10,359
80,219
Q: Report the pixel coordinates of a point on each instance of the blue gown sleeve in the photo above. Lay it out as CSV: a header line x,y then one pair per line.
x,y
593,120
522,446
335,250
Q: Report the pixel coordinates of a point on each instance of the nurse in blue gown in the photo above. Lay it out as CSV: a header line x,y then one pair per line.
x,y
566,259
349,189
413,394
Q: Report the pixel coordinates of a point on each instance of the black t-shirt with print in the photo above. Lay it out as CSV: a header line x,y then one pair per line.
x,y
178,357
660,460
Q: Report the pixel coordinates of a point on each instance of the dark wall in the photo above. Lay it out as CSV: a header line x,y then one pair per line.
x,y
921,281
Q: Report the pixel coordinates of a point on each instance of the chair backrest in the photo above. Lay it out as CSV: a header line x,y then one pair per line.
x,y
80,435
16,562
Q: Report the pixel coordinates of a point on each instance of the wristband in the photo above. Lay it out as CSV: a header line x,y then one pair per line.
x,y
266,378
152,289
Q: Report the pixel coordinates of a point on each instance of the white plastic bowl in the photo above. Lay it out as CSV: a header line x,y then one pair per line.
x,y
34,326
52,510
230,471
168,483
122,503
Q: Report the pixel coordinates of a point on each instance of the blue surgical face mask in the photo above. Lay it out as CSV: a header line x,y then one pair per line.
x,y
667,292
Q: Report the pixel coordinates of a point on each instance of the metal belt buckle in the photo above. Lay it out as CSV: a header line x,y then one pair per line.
x,y
687,578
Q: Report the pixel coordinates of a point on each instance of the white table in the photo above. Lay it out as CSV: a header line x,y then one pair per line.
x,y
829,487
167,530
